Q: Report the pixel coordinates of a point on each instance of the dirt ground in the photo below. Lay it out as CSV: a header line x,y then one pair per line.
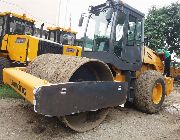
x,y
18,121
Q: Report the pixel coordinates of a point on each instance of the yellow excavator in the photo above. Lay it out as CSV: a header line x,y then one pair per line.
x,y
115,69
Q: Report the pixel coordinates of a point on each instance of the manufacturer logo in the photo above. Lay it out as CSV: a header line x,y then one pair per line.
x,y
19,87
20,40
70,50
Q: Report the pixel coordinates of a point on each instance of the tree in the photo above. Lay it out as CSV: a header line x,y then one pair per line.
x,y
162,27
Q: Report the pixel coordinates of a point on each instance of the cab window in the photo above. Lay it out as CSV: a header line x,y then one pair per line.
x,y
37,32
99,30
1,26
131,31
17,27
68,38
20,27
28,29
51,36
139,33
119,33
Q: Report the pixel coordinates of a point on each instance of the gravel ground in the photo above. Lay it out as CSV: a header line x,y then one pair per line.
x,y
19,122
172,103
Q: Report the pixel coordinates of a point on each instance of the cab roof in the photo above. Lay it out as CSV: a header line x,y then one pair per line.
x,y
62,29
23,17
132,9
118,4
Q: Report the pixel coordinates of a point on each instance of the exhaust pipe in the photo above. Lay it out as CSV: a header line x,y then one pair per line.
x,y
41,31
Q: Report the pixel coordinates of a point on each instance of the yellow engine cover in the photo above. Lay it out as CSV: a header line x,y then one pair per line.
x,y
169,85
22,47
72,50
152,59
175,72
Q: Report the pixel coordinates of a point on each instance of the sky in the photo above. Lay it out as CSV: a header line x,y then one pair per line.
x,y
46,11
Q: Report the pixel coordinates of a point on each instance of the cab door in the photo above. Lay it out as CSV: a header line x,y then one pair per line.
x,y
3,35
131,52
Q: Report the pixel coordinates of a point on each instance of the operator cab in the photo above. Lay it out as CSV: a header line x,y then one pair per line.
x,y
14,24
11,24
114,34
62,35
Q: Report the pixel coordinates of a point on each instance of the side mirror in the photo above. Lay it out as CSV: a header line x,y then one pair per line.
x,y
81,21
146,41
109,15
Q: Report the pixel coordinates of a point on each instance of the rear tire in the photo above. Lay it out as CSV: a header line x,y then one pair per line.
x,y
4,63
150,92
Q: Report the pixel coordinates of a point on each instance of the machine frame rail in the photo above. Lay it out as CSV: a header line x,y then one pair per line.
x,y
74,97
65,98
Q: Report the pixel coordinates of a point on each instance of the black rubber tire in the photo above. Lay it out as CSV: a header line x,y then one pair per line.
x,y
143,91
4,63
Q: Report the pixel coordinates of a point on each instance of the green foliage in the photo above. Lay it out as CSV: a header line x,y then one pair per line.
x,y
162,27
7,92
